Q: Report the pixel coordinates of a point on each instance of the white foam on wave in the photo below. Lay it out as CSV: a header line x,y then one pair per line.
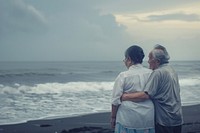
x,y
22,102
56,87
190,90
75,86
190,81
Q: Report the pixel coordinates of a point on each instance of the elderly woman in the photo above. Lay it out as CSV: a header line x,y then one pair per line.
x,y
129,116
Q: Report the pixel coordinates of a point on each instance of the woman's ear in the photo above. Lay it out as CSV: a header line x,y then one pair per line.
x,y
130,61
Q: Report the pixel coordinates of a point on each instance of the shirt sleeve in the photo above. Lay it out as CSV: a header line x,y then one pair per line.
x,y
152,84
117,90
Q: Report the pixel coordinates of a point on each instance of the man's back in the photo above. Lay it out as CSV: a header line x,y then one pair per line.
x,y
163,88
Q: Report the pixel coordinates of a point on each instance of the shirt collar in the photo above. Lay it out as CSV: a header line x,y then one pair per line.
x,y
136,66
166,64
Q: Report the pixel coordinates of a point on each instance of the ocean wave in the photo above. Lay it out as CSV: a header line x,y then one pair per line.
x,y
25,74
56,87
193,81
24,102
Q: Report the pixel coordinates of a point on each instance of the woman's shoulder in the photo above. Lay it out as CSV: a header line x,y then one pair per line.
x,y
146,70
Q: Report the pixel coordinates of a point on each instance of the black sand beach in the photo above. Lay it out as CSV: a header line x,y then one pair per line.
x,y
93,123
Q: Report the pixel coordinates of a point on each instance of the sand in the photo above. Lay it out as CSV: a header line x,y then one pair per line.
x,y
92,123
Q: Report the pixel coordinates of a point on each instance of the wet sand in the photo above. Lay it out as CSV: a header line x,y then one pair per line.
x,y
93,123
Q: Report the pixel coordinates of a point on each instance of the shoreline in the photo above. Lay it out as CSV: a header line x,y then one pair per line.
x,y
96,122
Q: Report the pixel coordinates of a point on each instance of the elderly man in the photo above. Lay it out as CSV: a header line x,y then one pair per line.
x,y
164,90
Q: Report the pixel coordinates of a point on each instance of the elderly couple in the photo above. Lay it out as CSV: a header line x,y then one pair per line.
x,y
147,100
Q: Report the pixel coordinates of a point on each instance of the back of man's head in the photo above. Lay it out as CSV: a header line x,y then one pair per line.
x,y
160,53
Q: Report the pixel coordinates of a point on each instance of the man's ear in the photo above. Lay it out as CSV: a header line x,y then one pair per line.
x,y
158,61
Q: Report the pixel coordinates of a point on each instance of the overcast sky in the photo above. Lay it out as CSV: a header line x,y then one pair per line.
x,y
97,30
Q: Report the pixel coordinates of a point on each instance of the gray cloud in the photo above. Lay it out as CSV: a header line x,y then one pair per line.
x,y
140,6
75,31
16,16
52,30
175,16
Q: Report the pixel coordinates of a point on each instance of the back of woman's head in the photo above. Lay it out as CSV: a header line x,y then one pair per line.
x,y
135,53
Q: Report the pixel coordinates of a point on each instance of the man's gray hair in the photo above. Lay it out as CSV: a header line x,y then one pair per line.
x,y
160,53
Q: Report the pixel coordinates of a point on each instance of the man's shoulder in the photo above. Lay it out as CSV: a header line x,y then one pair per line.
x,y
163,71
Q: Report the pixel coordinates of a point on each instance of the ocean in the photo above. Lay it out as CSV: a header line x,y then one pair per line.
x,y
46,90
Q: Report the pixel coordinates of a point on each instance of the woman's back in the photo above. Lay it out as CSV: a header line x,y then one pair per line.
x,y
138,115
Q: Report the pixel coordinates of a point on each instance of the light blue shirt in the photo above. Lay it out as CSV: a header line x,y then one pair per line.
x,y
130,114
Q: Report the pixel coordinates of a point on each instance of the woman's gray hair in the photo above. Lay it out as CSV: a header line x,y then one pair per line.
x,y
160,53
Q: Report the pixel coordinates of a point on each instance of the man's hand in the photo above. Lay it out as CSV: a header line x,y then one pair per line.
x,y
124,97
